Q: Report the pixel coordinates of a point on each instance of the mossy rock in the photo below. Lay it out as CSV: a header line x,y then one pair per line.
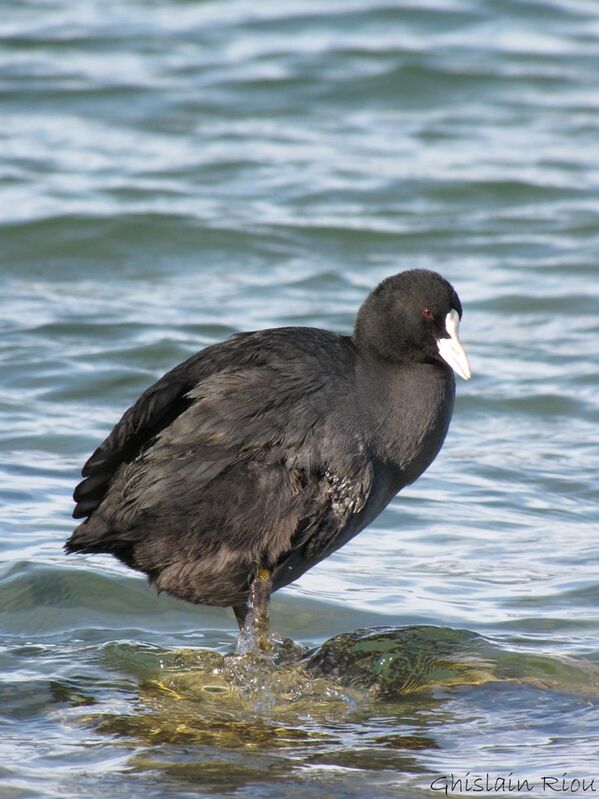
x,y
390,662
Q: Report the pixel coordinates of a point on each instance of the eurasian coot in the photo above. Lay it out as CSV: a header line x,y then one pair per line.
x,y
261,455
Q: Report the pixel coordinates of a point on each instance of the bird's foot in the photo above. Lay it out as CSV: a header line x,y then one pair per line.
x,y
254,637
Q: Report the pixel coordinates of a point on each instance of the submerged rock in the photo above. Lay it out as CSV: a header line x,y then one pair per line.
x,y
390,662
203,696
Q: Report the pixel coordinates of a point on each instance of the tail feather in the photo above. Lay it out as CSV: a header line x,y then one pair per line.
x,y
94,537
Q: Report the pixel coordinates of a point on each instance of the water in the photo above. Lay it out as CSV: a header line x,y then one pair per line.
x,y
172,172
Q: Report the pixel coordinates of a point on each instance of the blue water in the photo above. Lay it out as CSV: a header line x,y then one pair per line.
x,y
172,172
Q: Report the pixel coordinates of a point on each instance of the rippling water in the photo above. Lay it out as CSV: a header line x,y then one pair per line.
x,y
172,172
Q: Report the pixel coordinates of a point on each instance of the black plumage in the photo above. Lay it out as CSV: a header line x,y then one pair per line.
x,y
272,449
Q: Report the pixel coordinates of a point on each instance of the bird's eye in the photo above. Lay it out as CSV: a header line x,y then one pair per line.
x,y
427,314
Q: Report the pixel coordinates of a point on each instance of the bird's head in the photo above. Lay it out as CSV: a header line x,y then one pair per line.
x,y
413,316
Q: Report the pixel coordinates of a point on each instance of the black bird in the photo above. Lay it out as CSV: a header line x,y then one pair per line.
x,y
259,456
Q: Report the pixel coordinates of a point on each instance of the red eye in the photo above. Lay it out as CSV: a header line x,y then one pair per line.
x,y
427,314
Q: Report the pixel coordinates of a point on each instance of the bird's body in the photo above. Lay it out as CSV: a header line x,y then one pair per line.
x,y
269,450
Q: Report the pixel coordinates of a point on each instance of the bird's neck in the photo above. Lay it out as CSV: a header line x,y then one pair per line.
x,y
409,406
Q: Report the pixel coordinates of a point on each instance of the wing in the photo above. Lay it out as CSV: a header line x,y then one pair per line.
x,y
154,411
188,385
156,408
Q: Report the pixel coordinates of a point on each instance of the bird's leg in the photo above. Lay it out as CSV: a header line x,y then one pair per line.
x,y
260,604
241,613
256,629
